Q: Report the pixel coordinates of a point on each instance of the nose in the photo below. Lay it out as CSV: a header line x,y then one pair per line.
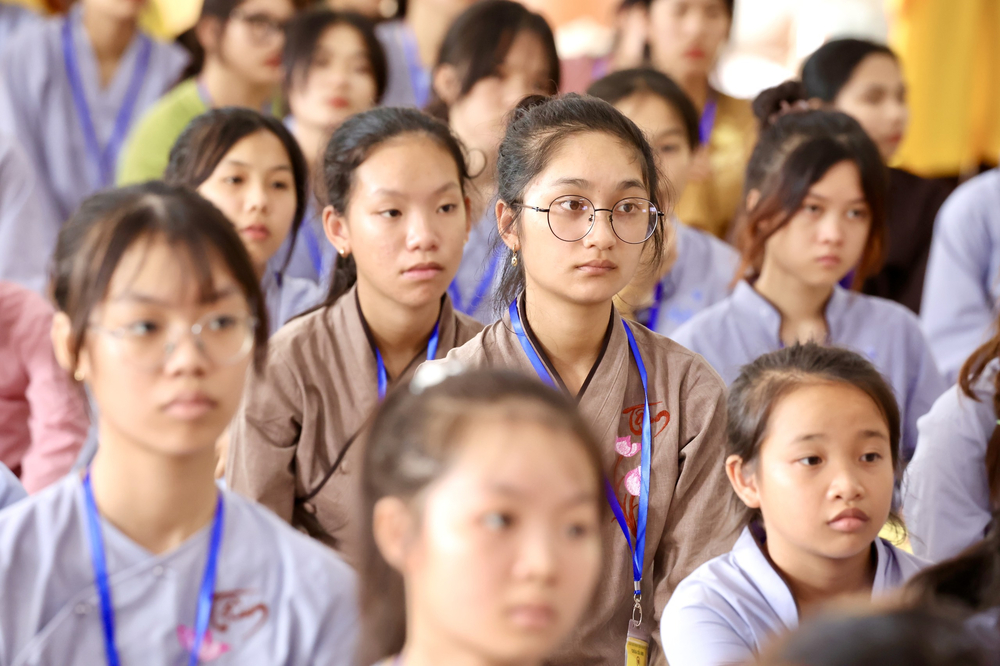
x,y
831,229
602,235
536,556
846,483
184,355
421,232
256,196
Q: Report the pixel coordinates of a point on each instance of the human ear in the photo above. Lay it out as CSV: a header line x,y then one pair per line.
x,y
208,31
753,198
392,526
506,227
468,218
336,230
446,83
743,480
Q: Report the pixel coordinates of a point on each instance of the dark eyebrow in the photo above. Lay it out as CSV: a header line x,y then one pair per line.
x,y
386,192
582,183
580,498
282,167
811,195
211,297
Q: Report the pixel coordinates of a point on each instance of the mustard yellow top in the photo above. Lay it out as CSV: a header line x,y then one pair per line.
x,y
163,19
711,203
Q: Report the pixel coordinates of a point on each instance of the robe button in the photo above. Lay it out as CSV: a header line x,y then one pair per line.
x,y
158,571
81,608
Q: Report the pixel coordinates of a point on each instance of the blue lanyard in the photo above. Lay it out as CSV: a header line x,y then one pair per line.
x,y
383,376
639,549
312,246
707,122
207,590
653,313
420,78
104,161
480,293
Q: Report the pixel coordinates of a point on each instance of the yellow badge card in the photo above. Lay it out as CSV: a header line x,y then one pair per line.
x,y
636,651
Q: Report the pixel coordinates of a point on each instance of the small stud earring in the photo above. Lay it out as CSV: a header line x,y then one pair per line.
x,y
78,375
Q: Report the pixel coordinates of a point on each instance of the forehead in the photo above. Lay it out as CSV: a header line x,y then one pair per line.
x,y
169,272
825,406
260,149
278,8
876,68
341,38
841,181
527,52
650,112
408,163
602,160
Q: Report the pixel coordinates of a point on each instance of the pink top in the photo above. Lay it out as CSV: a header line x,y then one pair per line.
x,y
43,416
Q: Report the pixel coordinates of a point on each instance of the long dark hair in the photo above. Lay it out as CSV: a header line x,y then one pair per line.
x,y
207,139
764,382
540,125
972,370
217,10
304,32
415,437
94,240
794,151
477,43
830,67
350,146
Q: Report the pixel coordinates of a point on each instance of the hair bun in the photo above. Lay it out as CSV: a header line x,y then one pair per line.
x,y
526,104
775,102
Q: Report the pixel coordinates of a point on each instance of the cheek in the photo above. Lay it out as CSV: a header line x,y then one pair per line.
x,y
787,494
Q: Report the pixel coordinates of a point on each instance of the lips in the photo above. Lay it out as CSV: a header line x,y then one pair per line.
x,y
423,271
849,520
255,232
339,103
189,406
829,260
694,53
533,617
597,267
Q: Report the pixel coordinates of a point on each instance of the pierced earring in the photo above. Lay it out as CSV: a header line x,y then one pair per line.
x,y
513,259
78,375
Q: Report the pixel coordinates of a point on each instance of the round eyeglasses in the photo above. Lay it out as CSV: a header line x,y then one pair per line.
x,y
222,338
572,217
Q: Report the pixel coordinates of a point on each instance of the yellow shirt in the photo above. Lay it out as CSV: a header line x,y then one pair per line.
x,y
164,19
711,203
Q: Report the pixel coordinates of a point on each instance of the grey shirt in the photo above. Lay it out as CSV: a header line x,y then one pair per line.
x,y
280,598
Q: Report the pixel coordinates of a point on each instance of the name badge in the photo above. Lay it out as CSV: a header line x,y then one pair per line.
x,y
636,645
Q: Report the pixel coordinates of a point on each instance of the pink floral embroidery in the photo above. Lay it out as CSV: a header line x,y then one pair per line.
x,y
210,650
626,447
633,482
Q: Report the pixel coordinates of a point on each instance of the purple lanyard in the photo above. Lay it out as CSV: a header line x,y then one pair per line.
x,y
420,78
707,122
104,161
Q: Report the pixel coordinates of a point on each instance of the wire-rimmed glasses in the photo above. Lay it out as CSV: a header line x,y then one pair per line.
x,y
571,217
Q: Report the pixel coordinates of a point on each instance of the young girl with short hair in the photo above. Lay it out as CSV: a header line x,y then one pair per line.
x,y
815,215
483,498
813,455
252,169
697,268
398,215
577,212
141,558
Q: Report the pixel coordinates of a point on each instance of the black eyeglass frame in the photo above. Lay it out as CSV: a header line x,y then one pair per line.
x,y
593,218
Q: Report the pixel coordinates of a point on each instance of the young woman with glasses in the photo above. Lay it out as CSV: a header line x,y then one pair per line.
x,y
242,42
141,558
578,208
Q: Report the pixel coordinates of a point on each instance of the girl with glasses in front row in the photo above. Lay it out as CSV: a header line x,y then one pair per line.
x,y
240,44
578,207
142,559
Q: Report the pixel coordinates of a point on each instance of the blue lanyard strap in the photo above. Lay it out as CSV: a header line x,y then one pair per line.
x,y
480,293
420,78
104,160
97,555
383,376
653,313
639,548
707,122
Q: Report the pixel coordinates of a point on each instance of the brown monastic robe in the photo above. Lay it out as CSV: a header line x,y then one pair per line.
x,y
297,441
692,513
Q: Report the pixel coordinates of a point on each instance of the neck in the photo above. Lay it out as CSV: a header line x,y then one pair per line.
x,y
157,501
109,38
313,142
696,87
814,579
227,89
429,25
400,332
802,306
571,334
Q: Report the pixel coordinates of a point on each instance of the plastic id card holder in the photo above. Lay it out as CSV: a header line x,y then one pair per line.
x,y
636,645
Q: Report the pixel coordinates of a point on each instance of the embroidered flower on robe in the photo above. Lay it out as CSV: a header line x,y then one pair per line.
x,y
633,482
210,650
626,447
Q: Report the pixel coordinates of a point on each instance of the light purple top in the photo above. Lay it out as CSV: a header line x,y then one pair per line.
x,y
946,493
962,287
36,102
398,88
11,490
728,609
700,277
745,325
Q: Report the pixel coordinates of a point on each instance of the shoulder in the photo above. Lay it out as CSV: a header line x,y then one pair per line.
x,y
978,198
301,338
898,565
466,328
304,562
171,113
678,359
890,315
708,322
36,520
474,353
